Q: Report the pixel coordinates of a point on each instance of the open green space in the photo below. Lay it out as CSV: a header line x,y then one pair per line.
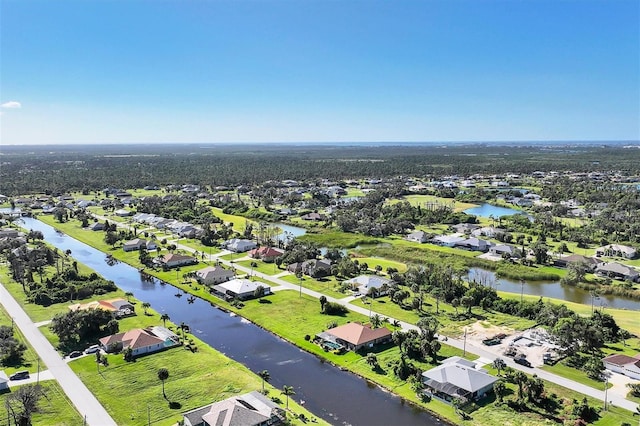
x,y
239,222
563,370
338,239
263,267
30,357
424,200
54,408
327,285
384,263
132,393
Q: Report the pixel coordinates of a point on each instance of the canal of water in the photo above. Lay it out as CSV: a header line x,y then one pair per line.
x,y
337,396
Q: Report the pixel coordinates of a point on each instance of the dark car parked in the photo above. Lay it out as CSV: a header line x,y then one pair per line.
x,y
19,375
522,361
75,354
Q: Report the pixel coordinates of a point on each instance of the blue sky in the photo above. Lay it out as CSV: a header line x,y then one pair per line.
x,y
289,71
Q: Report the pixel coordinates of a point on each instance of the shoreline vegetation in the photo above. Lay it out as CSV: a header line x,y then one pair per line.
x,y
439,409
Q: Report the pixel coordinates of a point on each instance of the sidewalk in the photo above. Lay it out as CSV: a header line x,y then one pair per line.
x,y
84,401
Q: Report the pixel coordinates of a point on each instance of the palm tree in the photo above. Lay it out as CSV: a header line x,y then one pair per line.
x,y
128,295
372,360
499,388
164,318
265,376
287,391
520,379
163,374
145,306
499,364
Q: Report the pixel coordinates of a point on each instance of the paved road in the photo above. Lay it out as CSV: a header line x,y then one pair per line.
x,y
616,400
76,391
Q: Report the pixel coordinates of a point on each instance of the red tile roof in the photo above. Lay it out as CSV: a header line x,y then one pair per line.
x,y
358,334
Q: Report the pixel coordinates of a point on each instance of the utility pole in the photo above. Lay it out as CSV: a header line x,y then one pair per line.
x,y
606,386
464,346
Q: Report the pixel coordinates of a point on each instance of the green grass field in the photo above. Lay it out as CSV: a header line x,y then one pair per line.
x,y
54,408
328,285
422,200
265,268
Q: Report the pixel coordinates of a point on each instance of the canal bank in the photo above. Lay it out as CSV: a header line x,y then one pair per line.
x,y
334,395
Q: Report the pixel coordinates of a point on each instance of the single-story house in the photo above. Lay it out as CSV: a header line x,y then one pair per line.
x,y
4,381
475,244
122,213
119,307
618,250
96,226
624,364
355,336
364,283
418,237
141,340
9,233
464,228
617,271
487,231
589,262
214,275
172,260
267,254
313,267
447,240
240,288
313,216
250,409
457,377
238,245
501,249
135,244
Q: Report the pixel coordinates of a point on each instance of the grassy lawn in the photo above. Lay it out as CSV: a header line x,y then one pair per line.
x,y
574,374
263,267
30,358
239,222
327,286
421,200
384,263
53,409
131,390
624,318
448,326
339,239
197,245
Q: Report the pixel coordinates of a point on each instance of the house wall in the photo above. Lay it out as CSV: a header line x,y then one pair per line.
x,y
632,371
613,367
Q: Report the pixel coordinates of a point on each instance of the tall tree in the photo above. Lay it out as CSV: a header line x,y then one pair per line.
x,y
163,375
288,391
265,376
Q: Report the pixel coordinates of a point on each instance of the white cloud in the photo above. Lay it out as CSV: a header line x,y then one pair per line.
x,y
11,104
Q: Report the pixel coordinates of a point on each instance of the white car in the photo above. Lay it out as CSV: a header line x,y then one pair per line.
x,y
92,349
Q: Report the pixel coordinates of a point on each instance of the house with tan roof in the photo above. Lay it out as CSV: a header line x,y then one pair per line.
x,y
172,260
355,336
214,275
119,307
623,364
141,340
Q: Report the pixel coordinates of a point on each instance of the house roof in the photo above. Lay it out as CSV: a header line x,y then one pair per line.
x,y
460,373
617,247
358,334
369,281
107,305
172,257
134,339
244,410
214,271
622,360
617,268
136,242
240,286
577,258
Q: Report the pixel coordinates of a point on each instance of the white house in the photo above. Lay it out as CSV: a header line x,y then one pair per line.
x,y
239,245
457,377
448,240
240,288
250,409
618,250
135,244
364,283
418,237
624,364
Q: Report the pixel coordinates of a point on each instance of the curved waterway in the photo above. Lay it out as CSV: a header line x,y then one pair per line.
x,y
337,396
553,289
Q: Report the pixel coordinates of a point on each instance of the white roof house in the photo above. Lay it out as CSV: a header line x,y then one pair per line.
x,y
458,378
617,250
366,282
241,288
251,409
